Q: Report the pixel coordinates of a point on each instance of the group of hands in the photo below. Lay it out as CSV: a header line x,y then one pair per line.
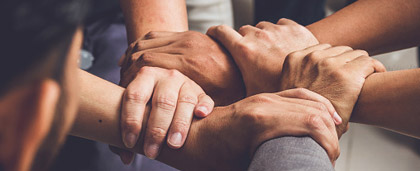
x,y
276,78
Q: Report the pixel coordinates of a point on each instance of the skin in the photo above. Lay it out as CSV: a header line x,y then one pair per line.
x,y
378,31
222,132
298,69
381,110
376,26
144,16
203,60
139,106
166,91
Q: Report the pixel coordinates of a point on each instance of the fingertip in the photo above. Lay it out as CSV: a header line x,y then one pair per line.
x,y
201,111
175,140
129,140
337,119
379,66
210,31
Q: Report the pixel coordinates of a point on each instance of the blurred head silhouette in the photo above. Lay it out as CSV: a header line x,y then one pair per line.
x,y
39,48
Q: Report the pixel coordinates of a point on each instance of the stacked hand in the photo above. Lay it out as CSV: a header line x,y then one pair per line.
x,y
263,56
230,135
260,51
336,73
174,100
195,55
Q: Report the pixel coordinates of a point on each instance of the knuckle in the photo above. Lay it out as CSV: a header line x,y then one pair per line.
x,y
173,73
130,123
361,52
321,107
262,98
157,133
301,92
221,27
146,70
253,115
181,125
135,96
139,45
189,43
151,35
261,34
188,99
147,57
314,121
314,56
345,47
166,103
245,48
194,34
327,62
243,28
296,54
262,24
339,75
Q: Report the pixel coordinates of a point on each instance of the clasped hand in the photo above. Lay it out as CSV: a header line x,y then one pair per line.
x,y
260,59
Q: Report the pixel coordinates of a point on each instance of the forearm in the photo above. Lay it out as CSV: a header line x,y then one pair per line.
x,y
377,26
391,100
99,116
143,16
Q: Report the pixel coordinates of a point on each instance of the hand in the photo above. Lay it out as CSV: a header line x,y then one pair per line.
x,y
236,133
194,54
337,73
174,100
260,51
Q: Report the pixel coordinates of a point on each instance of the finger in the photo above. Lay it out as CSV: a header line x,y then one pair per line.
x,y
307,51
350,55
126,157
163,109
160,60
134,103
225,35
140,54
158,34
285,21
321,134
125,57
247,29
302,93
205,105
121,61
301,55
365,65
187,100
264,25
333,51
153,43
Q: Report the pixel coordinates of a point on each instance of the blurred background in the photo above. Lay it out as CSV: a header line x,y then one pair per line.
x,y
362,147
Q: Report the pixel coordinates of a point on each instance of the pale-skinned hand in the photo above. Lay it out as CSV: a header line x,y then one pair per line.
x,y
174,99
337,73
260,51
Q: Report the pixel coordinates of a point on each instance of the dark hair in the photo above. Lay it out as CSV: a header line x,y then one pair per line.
x,y
34,38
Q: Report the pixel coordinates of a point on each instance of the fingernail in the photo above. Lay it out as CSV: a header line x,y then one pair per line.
x,y
176,139
152,151
130,140
337,118
203,110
